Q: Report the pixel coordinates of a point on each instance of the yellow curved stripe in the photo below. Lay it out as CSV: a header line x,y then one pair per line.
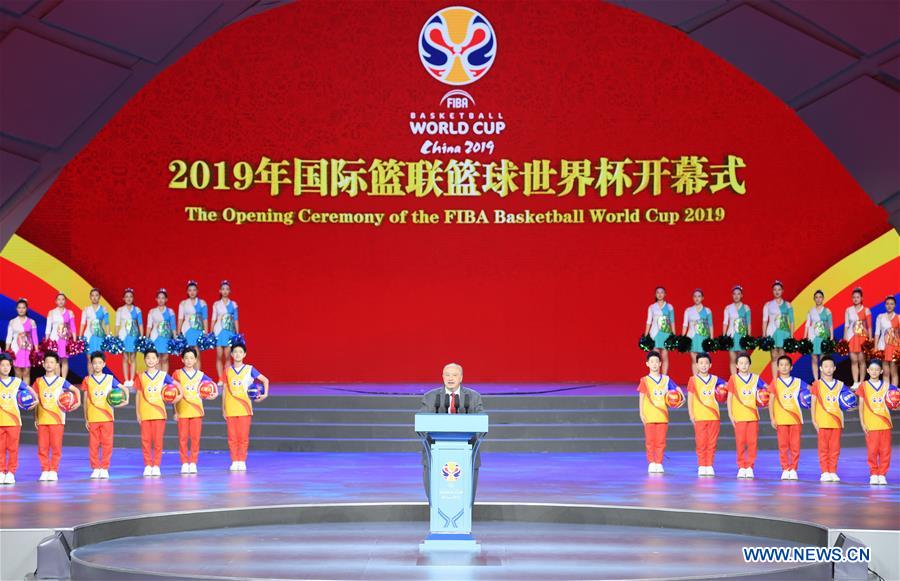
x,y
55,273
856,265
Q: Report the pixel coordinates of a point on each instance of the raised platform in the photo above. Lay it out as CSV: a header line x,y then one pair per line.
x,y
378,418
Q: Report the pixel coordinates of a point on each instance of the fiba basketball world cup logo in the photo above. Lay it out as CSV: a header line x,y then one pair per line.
x,y
451,471
457,45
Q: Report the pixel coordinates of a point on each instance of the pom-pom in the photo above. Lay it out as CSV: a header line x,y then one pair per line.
x,y
791,345
828,346
36,358
48,345
766,344
868,348
206,341
749,343
684,343
177,344
842,347
878,355
645,343
725,342
710,345
143,344
671,343
113,345
237,339
804,346
76,347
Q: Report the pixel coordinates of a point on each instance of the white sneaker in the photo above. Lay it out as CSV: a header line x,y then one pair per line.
x,y
825,477
193,467
835,477
156,471
701,470
793,475
148,471
242,466
96,473
742,473
234,467
52,476
710,471
749,473
186,468
785,474
43,477
873,479
882,479
104,473
2,477
10,478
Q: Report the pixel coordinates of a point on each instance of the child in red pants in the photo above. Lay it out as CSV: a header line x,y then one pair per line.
x,y
49,417
98,414
704,412
828,417
151,411
654,412
876,421
743,389
189,411
237,406
10,419
786,416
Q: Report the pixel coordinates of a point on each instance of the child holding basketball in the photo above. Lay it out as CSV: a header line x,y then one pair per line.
x,y
704,413
653,389
10,419
237,406
98,414
875,418
828,417
151,410
49,418
189,410
745,392
786,416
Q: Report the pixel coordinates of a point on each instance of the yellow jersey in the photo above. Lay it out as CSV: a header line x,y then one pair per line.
x,y
191,404
704,406
653,405
875,414
149,395
827,411
786,403
743,401
9,407
234,396
95,391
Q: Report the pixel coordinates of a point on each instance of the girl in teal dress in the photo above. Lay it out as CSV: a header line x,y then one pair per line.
x,y
698,326
737,323
819,326
660,326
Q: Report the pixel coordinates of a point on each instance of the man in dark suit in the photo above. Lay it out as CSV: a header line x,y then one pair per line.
x,y
452,398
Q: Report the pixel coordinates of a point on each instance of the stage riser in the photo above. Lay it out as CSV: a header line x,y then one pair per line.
x,y
383,423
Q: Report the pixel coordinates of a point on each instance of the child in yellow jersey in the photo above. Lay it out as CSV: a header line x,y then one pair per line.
x,y
98,414
786,415
151,410
49,417
654,412
704,412
743,389
237,407
875,418
10,419
189,411
828,417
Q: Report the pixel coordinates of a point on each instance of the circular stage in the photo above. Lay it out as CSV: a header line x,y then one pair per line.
x,y
381,541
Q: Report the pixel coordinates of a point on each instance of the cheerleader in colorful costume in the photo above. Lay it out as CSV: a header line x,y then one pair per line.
x,y
193,317
94,325
887,335
225,326
698,324
160,328
61,328
777,322
737,323
129,326
819,326
857,330
21,339
660,325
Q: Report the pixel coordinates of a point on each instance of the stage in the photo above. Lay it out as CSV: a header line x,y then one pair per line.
x,y
602,479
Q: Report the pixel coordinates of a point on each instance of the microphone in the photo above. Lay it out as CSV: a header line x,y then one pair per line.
x,y
446,402
437,404
456,402
466,403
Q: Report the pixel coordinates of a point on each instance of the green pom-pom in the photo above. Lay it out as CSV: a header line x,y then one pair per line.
x,y
671,343
804,346
791,345
646,343
725,342
828,346
710,345
766,343
684,343
749,343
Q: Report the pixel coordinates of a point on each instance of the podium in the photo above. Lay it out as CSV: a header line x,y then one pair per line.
x,y
447,439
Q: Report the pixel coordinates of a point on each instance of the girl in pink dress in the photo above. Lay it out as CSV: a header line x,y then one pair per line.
x,y
21,339
61,328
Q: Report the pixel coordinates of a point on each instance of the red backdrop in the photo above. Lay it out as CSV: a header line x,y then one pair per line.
x,y
525,303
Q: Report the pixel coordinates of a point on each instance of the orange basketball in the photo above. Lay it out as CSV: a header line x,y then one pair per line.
x,y
66,400
169,393
762,398
208,390
721,394
893,399
674,399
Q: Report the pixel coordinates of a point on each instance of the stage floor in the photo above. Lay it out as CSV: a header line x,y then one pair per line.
x,y
614,478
